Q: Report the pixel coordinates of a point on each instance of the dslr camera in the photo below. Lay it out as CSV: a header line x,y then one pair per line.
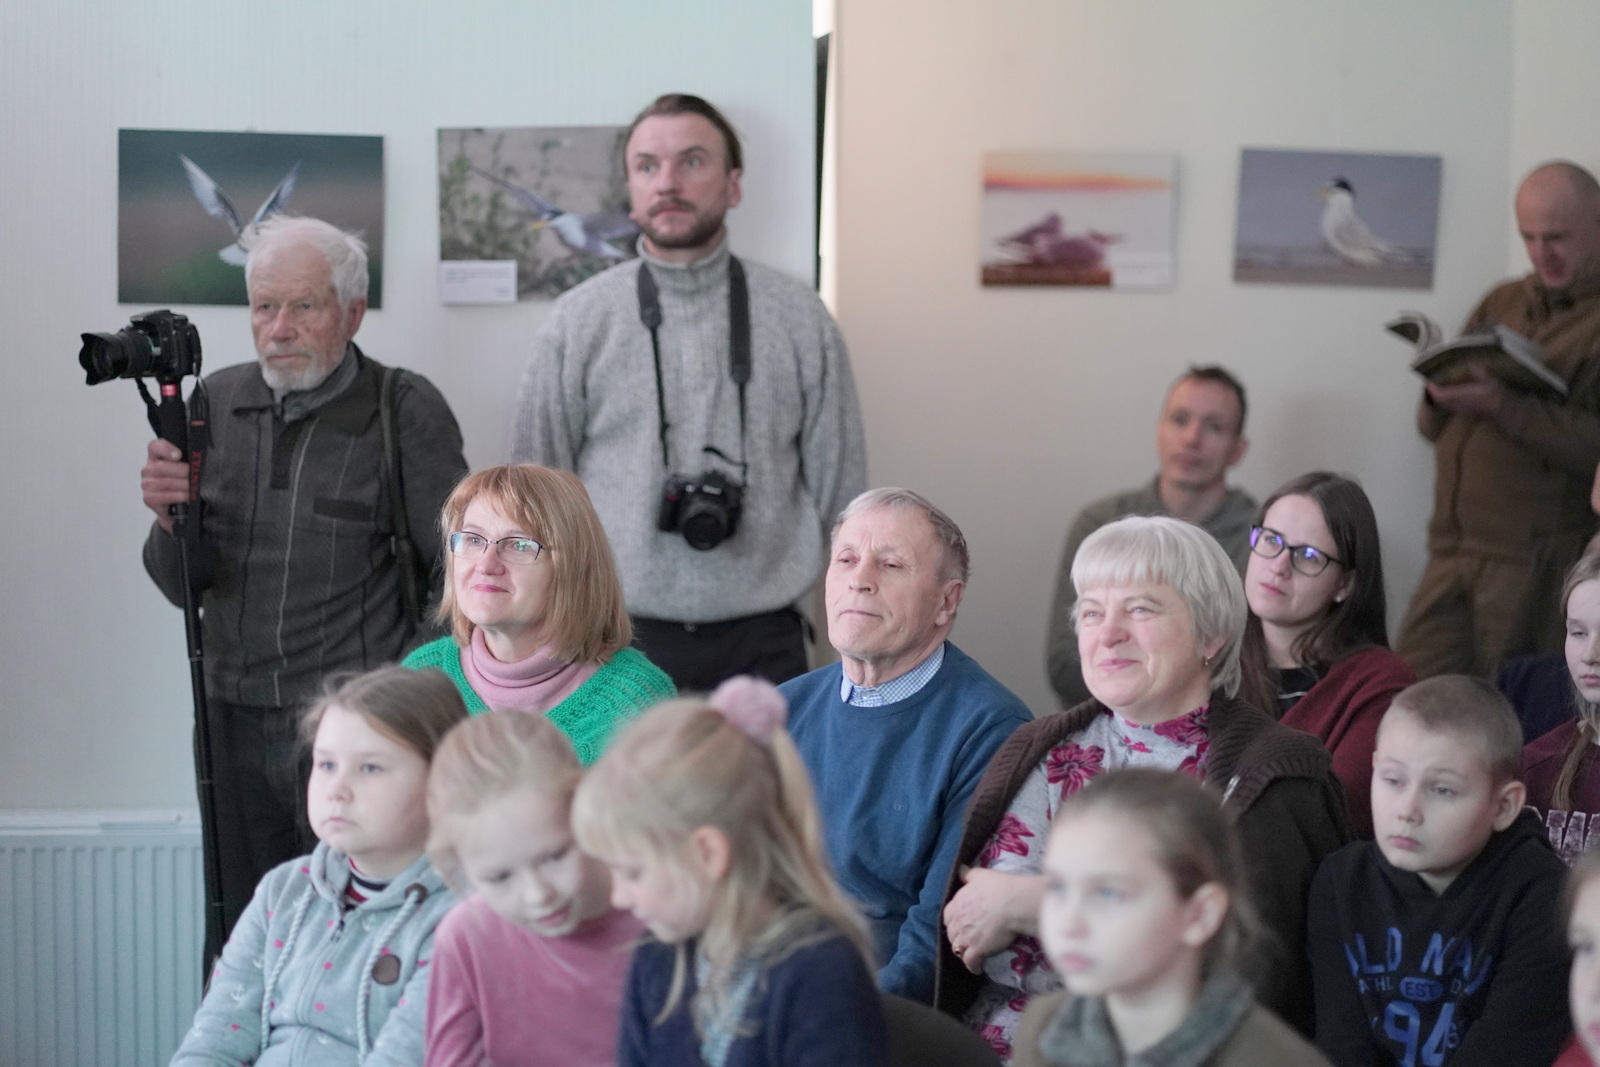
x,y
158,344
705,508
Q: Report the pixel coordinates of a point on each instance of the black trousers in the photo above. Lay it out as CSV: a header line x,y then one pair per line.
x,y
701,655
260,770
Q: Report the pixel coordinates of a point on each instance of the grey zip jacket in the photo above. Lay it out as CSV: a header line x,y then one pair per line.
x,y
306,981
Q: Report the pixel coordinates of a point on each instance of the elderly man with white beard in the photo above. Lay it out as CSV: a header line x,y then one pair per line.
x,y
298,528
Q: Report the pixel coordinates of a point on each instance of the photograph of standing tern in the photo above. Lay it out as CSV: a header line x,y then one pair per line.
x,y
1078,218
1337,218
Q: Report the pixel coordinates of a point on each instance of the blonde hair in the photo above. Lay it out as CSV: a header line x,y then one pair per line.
x,y
586,621
415,708
1587,569
683,765
1469,708
483,759
1194,841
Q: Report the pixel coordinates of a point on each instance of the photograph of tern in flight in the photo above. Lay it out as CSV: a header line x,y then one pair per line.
x,y
187,200
552,199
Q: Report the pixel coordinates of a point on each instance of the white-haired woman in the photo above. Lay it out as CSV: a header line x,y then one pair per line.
x,y
1160,616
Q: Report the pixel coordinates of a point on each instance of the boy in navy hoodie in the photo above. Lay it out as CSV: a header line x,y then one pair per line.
x,y
1440,942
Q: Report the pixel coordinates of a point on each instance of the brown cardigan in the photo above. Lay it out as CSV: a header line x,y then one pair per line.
x,y
1289,811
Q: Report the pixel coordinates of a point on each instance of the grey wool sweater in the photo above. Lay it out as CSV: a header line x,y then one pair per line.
x,y
588,405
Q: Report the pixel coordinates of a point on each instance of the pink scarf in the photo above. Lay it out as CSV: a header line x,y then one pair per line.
x,y
535,684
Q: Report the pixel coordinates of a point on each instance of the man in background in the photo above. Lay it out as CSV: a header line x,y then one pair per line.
x,y
1199,437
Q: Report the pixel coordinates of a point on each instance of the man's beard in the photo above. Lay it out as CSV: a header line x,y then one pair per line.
x,y
702,233
281,381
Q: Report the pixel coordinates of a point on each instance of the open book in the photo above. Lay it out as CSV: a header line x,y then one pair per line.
x,y
1514,359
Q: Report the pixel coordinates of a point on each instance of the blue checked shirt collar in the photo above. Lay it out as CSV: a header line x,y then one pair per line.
x,y
895,689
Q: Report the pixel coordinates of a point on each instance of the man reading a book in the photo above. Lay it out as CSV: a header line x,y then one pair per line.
x,y
1513,467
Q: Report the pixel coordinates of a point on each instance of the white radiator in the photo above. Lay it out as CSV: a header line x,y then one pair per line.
x,y
101,929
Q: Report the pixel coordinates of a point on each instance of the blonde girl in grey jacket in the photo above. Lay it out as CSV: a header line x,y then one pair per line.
x,y
328,965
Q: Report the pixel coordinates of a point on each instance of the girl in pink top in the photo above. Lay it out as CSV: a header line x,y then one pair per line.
x,y
530,969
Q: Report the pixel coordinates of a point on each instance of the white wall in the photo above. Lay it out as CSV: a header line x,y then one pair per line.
x,y
1012,408
1555,92
95,706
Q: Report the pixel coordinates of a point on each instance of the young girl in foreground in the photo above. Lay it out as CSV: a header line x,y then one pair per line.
x,y
529,971
327,964
1144,917
703,812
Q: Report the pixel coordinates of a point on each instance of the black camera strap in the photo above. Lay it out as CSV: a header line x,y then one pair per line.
x,y
187,431
738,351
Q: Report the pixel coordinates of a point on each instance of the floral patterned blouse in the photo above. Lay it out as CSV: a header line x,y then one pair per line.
x,y
1020,970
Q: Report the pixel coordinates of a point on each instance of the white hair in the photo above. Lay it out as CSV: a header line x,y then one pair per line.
x,y
1161,549
957,560
346,253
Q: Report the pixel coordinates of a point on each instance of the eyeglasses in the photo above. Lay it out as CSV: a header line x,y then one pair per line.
x,y
512,549
1269,544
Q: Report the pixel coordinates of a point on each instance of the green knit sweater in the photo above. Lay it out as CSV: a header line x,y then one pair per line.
x,y
624,686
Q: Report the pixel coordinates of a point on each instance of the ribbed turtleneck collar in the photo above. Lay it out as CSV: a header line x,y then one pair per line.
x,y
686,279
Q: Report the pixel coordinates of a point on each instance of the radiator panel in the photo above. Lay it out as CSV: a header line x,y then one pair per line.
x,y
101,930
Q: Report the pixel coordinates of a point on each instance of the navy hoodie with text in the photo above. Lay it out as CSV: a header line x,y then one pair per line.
x,y
1474,975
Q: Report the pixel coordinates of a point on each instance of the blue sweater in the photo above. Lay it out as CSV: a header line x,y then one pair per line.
x,y
892,784
817,1007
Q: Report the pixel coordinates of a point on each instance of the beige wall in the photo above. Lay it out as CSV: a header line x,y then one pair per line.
x,y
1012,408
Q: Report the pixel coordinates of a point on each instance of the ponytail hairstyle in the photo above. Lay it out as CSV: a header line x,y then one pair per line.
x,y
1194,842
1587,569
483,759
726,762
415,708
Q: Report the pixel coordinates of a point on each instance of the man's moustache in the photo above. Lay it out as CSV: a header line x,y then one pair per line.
x,y
671,205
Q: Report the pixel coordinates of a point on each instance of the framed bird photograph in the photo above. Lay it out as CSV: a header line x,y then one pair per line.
x,y
1337,218
1079,218
549,203
186,196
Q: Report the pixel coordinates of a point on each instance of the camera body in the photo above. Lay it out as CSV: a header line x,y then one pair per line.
x,y
158,344
705,508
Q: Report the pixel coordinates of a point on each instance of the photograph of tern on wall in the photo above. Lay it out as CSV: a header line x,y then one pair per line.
x,y
1078,218
1337,218
552,200
185,197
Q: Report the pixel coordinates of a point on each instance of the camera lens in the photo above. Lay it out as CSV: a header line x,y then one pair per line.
x,y
123,354
705,523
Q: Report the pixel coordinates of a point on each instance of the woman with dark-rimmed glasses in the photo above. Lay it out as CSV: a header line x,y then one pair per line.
x,y
1317,623
535,608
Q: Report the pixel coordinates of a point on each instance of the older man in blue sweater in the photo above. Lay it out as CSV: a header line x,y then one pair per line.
x,y
897,734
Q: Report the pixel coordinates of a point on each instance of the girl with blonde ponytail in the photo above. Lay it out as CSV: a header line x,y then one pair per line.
x,y
704,814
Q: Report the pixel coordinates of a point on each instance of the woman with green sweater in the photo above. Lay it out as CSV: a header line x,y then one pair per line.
x,y
535,608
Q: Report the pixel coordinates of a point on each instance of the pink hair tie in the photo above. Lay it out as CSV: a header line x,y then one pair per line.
x,y
752,706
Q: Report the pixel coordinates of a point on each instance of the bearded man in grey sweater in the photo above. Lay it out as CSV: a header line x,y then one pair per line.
x,y
633,387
